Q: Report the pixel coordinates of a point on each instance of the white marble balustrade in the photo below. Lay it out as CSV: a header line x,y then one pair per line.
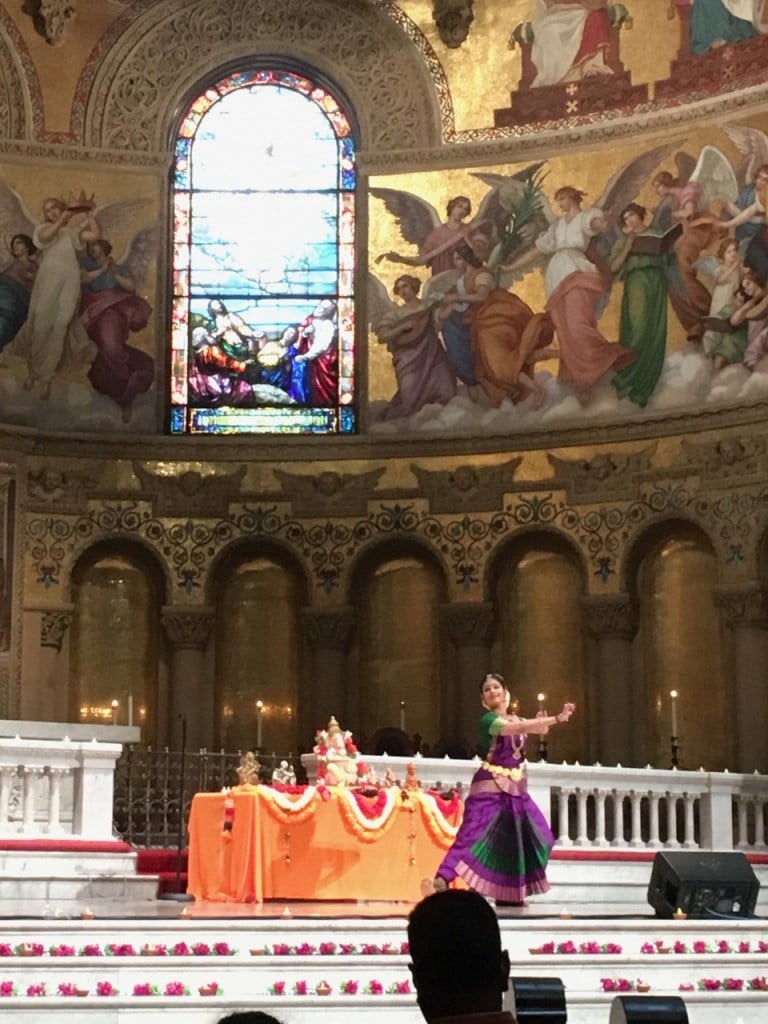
x,y
594,807
53,784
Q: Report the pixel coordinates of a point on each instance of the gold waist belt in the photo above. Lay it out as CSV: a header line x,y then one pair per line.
x,y
510,773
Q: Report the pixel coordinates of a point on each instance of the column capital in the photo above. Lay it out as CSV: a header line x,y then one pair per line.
x,y
54,624
615,615
187,627
470,623
329,628
742,603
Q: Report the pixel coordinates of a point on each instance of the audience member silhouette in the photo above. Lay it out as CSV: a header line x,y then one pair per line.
x,y
458,966
248,1017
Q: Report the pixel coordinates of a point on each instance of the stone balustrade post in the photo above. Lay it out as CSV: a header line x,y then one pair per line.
x,y
188,631
613,622
744,608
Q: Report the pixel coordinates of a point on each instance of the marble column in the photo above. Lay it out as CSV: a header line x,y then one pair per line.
x,y
744,608
613,622
188,631
54,662
329,633
470,626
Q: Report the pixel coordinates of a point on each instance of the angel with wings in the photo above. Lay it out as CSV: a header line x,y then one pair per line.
x,y
423,371
110,311
686,199
436,241
748,208
54,339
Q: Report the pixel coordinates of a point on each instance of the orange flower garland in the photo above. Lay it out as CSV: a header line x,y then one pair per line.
x,y
439,815
369,817
290,808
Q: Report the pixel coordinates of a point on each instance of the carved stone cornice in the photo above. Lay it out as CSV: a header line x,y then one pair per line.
x,y
466,488
470,623
615,615
187,628
191,493
51,487
614,475
725,461
51,17
453,19
329,493
53,627
742,603
329,629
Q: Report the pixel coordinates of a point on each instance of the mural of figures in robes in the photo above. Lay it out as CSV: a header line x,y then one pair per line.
x,y
638,293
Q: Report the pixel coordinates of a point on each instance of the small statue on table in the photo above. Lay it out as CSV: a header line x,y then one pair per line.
x,y
248,772
284,775
337,763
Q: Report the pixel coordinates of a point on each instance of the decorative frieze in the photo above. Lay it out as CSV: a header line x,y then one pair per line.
x,y
187,628
615,615
329,630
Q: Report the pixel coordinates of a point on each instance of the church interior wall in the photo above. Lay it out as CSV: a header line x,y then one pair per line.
x,y
587,544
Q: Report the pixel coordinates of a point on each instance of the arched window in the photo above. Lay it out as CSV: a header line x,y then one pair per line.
x,y
263,260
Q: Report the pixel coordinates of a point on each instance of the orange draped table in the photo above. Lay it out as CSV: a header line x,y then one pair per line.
x,y
317,845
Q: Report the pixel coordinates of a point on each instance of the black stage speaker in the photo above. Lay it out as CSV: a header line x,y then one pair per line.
x,y
648,1010
537,1000
703,884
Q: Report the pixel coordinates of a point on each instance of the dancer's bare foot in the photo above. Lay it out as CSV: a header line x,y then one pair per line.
x,y
432,885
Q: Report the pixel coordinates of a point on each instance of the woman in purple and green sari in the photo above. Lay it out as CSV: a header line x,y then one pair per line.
x,y
503,845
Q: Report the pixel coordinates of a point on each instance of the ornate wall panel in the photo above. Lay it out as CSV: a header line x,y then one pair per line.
x,y
158,51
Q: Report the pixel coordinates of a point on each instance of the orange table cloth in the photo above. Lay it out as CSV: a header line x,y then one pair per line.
x,y
313,844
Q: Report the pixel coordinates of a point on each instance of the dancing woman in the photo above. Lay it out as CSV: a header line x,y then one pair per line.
x,y
503,844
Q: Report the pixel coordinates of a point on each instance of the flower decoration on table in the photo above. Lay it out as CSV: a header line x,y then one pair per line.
x,y
623,985
62,950
30,949
144,988
400,988
175,988
754,984
348,948
6,949
68,988
213,988
120,949
91,949
327,948
569,948
300,988
374,988
154,950
7,988
305,949
369,815
37,989
277,988
337,756
441,813
106,988
349,988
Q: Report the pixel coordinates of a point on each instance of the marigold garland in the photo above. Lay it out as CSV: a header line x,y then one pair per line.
x,y
290,808
435,811
369,818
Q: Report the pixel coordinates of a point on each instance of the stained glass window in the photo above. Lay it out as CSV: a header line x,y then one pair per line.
x,y
262,338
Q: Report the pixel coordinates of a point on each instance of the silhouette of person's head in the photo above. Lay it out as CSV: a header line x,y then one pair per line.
x,y
458,965
248,1017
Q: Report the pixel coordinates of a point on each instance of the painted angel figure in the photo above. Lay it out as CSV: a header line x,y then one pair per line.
x,y
573,251
53,339
437,240
686,200
752,175
422,368
17,275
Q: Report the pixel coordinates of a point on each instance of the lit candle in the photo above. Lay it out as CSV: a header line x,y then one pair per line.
x,y
673,695
402,715
115,705
130,709
541,697
259,722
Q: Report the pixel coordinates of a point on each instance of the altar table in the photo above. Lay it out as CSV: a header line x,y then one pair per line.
x,y
316,845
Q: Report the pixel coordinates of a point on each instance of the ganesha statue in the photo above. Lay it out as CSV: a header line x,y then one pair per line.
x,y
337,760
